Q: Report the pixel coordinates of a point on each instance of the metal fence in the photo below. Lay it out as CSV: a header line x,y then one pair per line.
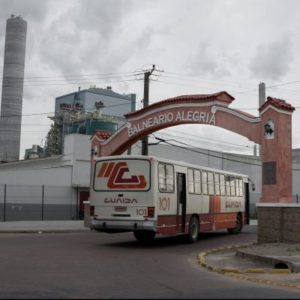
x,y
24,202
27,202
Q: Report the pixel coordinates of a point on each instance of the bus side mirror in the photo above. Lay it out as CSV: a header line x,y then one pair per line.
x,y
253,186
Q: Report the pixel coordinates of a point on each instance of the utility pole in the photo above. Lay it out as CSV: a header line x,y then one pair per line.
x,y
261,101
145,104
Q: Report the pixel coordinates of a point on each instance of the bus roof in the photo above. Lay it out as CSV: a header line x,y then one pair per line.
x,y
171,161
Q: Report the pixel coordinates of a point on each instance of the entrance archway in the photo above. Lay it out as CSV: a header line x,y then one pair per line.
x,y
272,130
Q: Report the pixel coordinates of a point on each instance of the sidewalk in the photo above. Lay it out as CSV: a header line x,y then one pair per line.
x,y
42,226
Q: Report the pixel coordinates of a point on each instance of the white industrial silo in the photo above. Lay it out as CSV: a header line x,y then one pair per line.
x,y
12,88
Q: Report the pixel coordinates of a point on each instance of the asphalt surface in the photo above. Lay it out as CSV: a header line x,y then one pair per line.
x,y
275,264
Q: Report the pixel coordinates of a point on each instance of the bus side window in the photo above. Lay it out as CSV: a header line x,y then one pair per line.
x,y
241,187
217,184
166,178
161,178
222,185
227,180
197,179
237,187
210,177
232,186
204,182
191,181
170,178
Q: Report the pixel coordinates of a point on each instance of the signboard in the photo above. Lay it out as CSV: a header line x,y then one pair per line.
x,y
179,116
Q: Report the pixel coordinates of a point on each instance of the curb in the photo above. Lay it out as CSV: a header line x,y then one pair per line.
x,y
236,273
202,262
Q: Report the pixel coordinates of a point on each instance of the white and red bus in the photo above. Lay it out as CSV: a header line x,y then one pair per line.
x,y
149,195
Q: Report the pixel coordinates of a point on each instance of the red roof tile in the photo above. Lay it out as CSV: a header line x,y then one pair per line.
x,y
102,134
220,96
279,103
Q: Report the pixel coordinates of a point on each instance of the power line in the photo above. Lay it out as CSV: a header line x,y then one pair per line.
x,y
206,140
71,83
209,80
194,149
52,112
228,83
131,73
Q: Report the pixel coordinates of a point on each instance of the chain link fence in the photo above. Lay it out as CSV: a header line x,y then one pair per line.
x,y
25,203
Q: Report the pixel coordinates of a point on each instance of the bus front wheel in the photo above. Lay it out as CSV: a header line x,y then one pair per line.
x,y
144,235
193,230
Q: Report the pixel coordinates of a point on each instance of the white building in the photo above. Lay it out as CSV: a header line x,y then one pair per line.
x,y
54,188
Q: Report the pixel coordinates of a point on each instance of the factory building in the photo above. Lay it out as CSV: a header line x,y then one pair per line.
x,y
85,111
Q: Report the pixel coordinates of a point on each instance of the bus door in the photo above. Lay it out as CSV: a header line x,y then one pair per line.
x,y
247,202
181,202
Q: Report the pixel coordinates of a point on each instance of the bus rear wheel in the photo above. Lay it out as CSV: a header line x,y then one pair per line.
x,y
144,235
193,230
238,227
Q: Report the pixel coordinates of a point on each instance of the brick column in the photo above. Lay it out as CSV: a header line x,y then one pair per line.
x,y
276,151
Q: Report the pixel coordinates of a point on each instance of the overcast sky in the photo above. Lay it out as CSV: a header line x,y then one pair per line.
x,y
197,46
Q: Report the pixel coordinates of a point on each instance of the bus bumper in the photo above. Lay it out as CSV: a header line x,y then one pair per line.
x,y
111,226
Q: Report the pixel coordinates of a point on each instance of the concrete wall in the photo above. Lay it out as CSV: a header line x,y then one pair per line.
x,y
33,202
278,223
46,188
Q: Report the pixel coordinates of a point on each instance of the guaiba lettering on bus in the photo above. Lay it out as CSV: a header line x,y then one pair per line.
x,y
233,204
120,200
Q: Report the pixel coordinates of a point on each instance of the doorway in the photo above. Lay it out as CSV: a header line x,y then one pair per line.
x,y
181,202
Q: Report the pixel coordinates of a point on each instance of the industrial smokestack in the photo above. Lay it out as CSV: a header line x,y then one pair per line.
x,y
12,88
261,93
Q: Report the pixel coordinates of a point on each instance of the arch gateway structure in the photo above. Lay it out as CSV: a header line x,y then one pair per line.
x,y
272,130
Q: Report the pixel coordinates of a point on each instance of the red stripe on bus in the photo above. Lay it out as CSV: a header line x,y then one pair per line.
x,y
102,169
109,169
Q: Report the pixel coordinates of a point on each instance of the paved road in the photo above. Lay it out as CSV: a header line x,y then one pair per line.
x,y
98,265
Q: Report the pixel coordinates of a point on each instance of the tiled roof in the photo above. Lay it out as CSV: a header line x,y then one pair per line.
x,y
220,96
279,103
102,134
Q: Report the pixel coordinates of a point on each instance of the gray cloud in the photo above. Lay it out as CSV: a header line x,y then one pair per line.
x,y
272,61
208,61
83,37
35,10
